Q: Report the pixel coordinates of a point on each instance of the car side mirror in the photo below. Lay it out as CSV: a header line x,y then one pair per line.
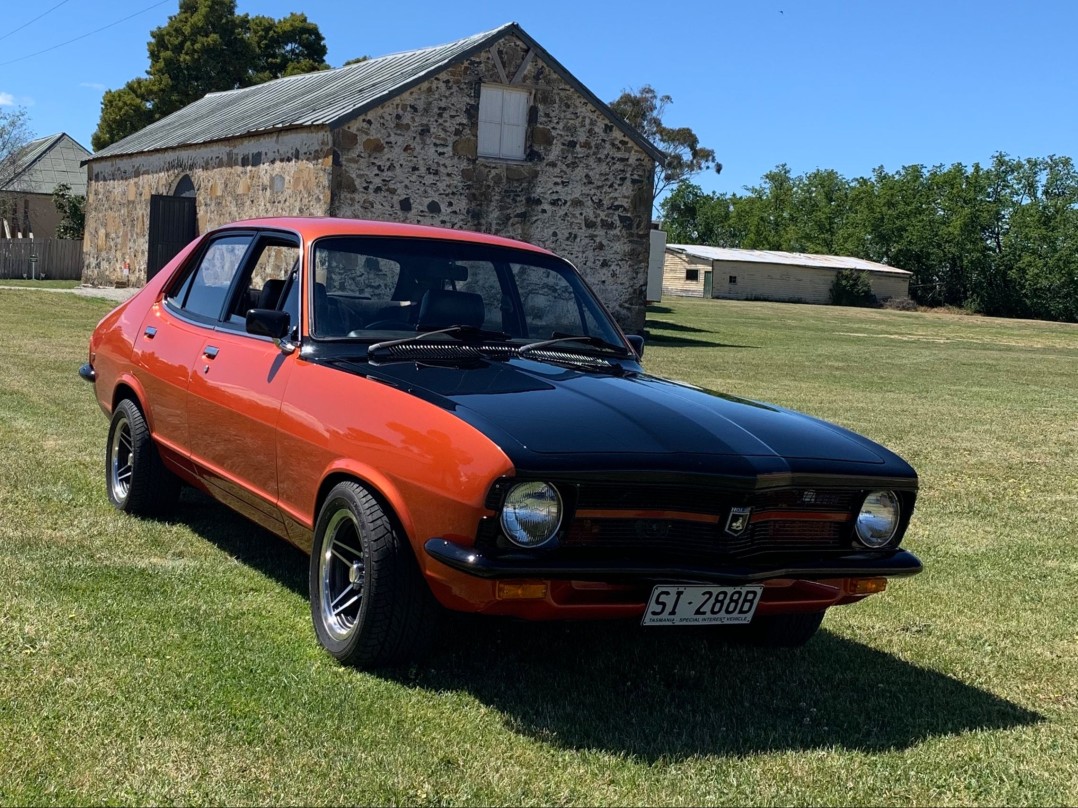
x,y
637,341
273,324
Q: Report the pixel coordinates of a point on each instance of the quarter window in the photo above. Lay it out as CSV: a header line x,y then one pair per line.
x,y
503,122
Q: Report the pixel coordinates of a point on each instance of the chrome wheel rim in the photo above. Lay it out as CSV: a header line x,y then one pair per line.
x,y
122,464
341,572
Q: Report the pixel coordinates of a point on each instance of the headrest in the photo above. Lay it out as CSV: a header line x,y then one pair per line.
x,y
441,308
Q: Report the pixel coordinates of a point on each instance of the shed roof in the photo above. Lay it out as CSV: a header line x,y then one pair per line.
x,y
331,97
834,262
44,163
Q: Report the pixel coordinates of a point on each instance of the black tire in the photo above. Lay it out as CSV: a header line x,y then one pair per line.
x,y
136,480
783,630
391,617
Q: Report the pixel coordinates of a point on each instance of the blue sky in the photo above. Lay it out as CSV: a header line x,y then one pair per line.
x,y
840,85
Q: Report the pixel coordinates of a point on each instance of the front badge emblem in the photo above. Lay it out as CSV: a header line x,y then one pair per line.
x,y
738,521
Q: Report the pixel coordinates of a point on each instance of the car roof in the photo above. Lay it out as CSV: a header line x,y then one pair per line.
x,y
312,227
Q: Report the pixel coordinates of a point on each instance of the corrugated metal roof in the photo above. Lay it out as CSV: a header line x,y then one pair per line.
x,y
835,262
48,161
326,97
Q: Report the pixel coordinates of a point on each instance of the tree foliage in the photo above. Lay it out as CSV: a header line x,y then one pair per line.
x,y
206,47
643,109
72,209
999,239
851,287
15,134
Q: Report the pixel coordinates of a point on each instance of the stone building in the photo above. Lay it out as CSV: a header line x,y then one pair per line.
x,y
28,179
489,133
695,270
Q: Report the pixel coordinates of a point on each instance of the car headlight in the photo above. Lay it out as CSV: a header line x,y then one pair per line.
x,y
878,520
531,514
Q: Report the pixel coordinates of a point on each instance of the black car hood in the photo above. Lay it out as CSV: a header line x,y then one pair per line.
x,y
546,416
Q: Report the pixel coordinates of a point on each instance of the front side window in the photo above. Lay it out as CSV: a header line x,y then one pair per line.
x,y
204,291
503,122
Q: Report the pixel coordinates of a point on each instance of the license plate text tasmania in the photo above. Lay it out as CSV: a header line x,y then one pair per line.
x,y
701,605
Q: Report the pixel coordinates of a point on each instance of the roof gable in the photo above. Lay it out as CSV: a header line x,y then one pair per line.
x,y
331,97
46,162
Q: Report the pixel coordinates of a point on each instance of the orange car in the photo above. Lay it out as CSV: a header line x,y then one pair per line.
x,y
449,420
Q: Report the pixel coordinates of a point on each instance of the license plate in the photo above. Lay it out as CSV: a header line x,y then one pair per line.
x,y
701,605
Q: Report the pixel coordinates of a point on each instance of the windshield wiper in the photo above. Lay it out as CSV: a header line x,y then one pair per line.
x,y
461,333
584,339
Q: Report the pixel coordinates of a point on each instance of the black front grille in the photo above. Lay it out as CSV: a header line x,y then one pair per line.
x,y
695,539
688,522
654,497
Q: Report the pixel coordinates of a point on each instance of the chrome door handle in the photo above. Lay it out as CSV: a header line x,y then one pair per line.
x,y
150,332
209,351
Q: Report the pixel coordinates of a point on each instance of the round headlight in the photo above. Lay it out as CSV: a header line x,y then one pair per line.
x,y
878,519
531,515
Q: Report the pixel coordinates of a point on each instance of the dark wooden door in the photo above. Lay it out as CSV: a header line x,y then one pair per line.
x,y
172,227
707,284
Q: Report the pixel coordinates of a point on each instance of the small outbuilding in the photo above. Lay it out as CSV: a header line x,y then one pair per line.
x,y
28,181
692,270
489,133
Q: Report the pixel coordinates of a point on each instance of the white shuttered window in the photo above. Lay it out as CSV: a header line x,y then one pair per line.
x,y
503,122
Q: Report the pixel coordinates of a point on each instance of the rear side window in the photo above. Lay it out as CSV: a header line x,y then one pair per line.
x,y
204,292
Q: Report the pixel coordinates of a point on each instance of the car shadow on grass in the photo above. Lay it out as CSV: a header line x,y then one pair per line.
x,y
243,540
663,694
659,694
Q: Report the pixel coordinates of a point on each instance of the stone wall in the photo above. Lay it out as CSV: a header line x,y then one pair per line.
x,y
282,174
584,189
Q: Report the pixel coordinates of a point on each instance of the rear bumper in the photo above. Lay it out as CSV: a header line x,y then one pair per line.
x,y
854,565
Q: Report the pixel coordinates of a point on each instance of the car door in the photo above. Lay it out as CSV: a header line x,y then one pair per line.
x,y
174,331
237,383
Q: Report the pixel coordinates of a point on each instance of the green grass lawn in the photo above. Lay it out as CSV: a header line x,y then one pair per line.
x,y
174,662
38,284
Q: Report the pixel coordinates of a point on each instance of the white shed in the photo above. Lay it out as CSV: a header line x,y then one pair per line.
x,y
692,270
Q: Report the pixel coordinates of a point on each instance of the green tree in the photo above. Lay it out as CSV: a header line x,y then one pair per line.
x,y
1000,239
643,109
285,47
851,287
72,209
206,47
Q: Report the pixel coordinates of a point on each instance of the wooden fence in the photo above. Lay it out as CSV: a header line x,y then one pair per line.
x,y
52,258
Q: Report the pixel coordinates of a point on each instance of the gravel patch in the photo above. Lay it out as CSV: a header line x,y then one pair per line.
x,y
106,292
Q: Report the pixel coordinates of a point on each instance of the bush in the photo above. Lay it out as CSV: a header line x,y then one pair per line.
x,y
901,304
852,288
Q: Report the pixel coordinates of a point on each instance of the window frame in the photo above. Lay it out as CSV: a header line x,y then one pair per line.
x,y
692,275
247,267
501,122
243,271
183,279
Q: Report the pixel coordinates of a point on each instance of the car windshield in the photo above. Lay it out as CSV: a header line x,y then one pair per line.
x,y
374,289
